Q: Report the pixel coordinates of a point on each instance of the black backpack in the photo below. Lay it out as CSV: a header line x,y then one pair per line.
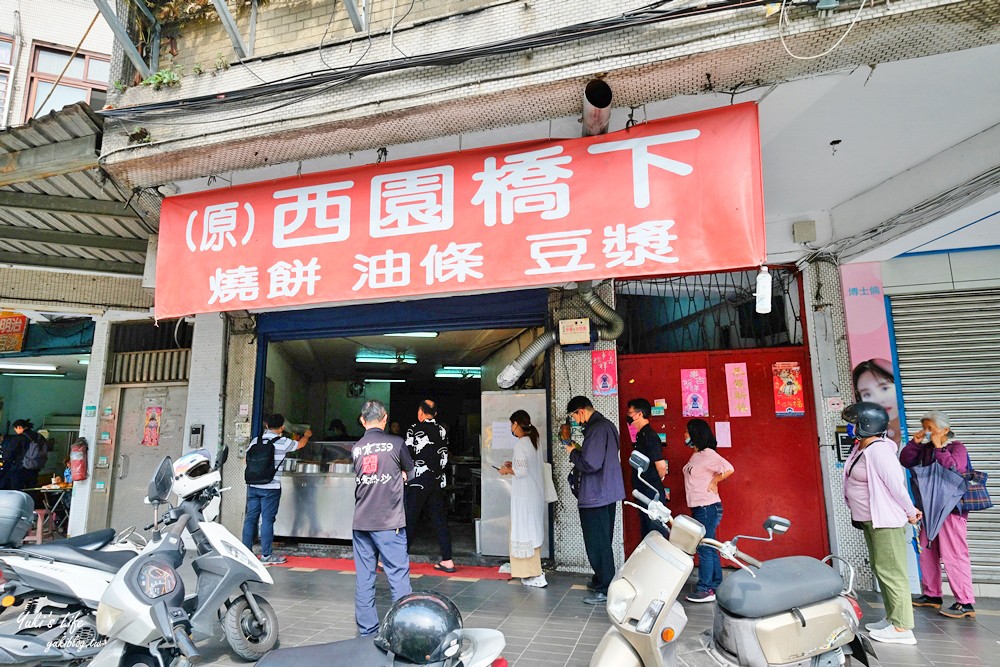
x,y
37,452
260,462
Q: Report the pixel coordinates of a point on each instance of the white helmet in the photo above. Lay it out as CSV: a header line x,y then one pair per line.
x,y
192,473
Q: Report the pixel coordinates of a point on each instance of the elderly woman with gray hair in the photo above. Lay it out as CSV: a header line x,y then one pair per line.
x,y
935,443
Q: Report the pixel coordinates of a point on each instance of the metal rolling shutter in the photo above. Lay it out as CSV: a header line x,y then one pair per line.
x,y
949,359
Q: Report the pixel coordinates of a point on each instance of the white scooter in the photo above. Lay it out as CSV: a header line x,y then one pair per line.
x,y
793,612
145,613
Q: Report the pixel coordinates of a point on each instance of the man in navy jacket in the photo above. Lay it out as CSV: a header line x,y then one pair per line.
x,y
602,486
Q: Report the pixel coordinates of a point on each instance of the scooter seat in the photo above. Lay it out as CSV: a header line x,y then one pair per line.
x,y
357,651
781,585
105,561
89,541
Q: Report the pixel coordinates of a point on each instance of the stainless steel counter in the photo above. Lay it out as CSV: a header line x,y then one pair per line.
x,y
316,505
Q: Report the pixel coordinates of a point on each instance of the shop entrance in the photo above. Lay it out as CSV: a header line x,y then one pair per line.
x,y
318,376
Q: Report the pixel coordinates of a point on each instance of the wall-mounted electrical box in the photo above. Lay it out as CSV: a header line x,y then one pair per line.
x,y
574,332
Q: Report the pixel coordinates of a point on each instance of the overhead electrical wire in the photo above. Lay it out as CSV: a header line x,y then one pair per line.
x,y
299,87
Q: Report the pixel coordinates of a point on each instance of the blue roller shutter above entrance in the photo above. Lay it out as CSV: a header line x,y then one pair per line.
x,y
498,310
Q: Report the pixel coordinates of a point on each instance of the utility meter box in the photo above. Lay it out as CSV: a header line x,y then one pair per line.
x,y
574,332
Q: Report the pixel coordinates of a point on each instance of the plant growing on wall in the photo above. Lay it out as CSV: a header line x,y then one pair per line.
x,y
180,12
165,77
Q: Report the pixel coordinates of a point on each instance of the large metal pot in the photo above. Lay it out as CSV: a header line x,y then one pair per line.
x,y
312,468
288,465
300,466
342,468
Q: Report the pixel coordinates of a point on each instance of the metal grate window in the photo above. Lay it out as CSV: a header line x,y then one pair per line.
x,y
714,311
146,353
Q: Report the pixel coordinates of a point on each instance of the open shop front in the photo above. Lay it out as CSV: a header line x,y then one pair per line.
x,y
318,367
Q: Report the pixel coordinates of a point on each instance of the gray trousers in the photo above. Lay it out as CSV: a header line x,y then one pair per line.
x,y
369,547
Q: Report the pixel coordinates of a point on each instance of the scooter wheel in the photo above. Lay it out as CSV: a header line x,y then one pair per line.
x,y
249,639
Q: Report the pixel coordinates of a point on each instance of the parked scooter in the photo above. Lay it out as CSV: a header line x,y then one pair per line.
x,y
144,611
793,612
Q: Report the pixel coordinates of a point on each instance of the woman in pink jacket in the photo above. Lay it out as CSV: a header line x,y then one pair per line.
x,y
875,491
933,443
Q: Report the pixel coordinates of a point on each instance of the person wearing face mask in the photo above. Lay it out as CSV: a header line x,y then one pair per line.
x,y
602,486
647,443
702,475
934,443
527,502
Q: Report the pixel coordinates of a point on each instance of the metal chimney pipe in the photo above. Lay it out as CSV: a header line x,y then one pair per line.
x,y
596,108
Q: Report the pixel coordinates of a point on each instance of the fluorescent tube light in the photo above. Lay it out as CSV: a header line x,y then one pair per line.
x,y
459,375
383,359
36,375
463,369
382,380
414,334
9,366
84,362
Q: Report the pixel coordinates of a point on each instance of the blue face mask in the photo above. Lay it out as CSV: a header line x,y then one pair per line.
x,y
850,430
687,441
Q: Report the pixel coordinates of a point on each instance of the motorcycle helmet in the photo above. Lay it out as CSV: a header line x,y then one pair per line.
x,y
422,628
869,419
191,473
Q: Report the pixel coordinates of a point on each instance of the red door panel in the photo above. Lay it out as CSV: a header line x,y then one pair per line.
x,y
776,458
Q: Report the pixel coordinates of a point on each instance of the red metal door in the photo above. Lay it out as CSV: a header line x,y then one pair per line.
x,y
776,458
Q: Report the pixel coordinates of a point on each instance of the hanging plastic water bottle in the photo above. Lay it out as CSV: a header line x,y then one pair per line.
x,y
763,291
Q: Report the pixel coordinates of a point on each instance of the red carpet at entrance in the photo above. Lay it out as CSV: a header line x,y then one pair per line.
x,y
347,565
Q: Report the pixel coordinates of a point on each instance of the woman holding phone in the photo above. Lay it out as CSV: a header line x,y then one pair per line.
x,y
527,503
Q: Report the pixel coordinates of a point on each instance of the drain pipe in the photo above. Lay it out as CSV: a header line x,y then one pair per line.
x,y
615,327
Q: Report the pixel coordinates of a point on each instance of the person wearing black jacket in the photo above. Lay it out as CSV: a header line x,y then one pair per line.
x,y
14,447
427,442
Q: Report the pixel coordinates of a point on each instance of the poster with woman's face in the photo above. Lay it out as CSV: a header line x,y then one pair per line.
x,y
875,382
151,429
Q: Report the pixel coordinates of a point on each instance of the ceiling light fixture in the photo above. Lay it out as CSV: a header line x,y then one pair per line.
x,y
84,362
383,380
384,359
463,369
27,367
459,375
414,334
36,375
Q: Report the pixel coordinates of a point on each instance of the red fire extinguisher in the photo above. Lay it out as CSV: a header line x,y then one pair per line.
x,y
78,459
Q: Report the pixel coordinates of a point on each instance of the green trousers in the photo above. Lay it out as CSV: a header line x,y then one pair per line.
x,y
887,550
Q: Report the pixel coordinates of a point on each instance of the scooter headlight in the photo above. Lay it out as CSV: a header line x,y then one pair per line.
x,y
620,596
156,580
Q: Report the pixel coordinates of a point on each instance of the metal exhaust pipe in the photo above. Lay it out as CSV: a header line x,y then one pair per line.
x,y
596,108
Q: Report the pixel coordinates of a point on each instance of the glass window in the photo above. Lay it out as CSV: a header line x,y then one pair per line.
x,y
62,96
6,51
98,70
3,86
53,62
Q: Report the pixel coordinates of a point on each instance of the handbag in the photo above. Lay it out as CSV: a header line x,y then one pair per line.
x,y
976,498
551,495
574,481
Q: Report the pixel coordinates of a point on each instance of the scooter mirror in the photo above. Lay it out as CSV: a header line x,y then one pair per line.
x,y
223,456
638,461
777,524
159,485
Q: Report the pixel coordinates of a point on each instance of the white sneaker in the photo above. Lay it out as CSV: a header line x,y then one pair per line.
x,y
890,635
535,582
504,569
877,625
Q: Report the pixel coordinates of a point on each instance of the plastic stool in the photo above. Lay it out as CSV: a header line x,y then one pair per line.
x,y
42,517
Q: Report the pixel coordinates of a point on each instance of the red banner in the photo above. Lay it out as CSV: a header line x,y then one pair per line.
x,y
13,326
681,195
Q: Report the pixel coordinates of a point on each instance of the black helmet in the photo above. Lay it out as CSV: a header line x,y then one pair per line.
x,y
422,627
869,419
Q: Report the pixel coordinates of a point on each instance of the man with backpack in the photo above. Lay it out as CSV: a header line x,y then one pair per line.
x,y
24,455
263,478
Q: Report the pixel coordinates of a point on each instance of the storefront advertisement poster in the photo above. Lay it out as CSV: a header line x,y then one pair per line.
x,y
694,392
789,397
605,372
151,428
738,389
678,195
13,326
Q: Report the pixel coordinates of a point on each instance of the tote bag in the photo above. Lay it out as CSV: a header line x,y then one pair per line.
x,y
976,497
551,495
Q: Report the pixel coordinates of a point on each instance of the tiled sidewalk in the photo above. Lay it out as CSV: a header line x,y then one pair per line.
x,y
552,627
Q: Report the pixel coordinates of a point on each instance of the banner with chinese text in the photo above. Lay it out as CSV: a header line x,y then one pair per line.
x,y
789,398
738,388
680,195
13,326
